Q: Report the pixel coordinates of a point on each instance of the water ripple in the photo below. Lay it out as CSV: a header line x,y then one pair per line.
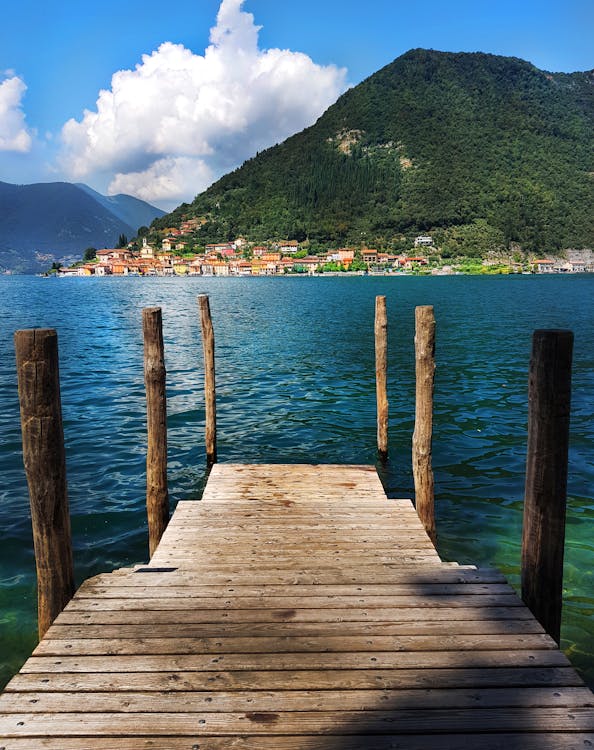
x,y
295,382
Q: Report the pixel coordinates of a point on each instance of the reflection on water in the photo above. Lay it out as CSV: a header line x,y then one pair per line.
x,y
295,383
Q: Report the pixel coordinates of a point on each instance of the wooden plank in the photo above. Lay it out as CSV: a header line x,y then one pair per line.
x,y
297,602
384,519
360,472
391,510
332,592
141,585
471,741
398,536
276,548
177,559
295,700
259,615
292,644
146,576
340,679
278,629
295,661
245,566
363,503
388,526
233,577
319,722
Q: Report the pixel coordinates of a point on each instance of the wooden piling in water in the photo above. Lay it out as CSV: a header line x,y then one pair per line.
x,y
45,467
381,374
157,495
543,535
210,405
422,436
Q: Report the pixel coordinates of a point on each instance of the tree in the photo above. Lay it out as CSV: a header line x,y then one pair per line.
x,y
472,240
122,241
89,254
142,231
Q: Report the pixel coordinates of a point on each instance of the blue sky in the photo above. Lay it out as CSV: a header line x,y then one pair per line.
x,y
169,128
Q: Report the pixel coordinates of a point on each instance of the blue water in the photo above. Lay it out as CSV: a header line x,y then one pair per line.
x,y
295,377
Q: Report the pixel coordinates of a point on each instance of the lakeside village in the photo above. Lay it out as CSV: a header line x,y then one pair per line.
x,y
176,256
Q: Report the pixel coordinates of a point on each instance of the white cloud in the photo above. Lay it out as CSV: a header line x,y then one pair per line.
x,y
180,120
167,178
14,134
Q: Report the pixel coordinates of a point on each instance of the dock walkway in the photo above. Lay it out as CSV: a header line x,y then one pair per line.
x,y
296,607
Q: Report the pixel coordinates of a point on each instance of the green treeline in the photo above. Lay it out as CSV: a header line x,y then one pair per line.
x,y
461,143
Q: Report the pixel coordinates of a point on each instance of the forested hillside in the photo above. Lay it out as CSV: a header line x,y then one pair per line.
x,y
432,141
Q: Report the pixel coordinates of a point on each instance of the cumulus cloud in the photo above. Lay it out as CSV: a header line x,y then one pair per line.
x,y
14,134
167,129
169,179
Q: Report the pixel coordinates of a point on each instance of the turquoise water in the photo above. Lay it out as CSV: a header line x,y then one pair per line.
x,y
295,373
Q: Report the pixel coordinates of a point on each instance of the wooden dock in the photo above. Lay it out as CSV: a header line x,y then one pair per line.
x,y
296,607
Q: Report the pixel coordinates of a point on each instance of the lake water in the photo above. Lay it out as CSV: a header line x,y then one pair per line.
x,y
295,376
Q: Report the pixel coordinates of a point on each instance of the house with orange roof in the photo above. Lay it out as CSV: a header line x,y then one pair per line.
x,y
115,253
244,268
220,268
220,248
310,263
410,263
119,268
286,265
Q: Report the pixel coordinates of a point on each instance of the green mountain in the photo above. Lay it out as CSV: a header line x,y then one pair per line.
x,y
465,143
51,221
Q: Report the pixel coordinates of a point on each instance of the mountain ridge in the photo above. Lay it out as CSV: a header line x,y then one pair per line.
x,y
433,140
45,222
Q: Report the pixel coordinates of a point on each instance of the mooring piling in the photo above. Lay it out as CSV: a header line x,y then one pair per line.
x,y
210,406
381,375
45,467
543,535
423,431
157,495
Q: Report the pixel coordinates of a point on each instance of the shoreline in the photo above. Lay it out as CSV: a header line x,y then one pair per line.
x,y
327,274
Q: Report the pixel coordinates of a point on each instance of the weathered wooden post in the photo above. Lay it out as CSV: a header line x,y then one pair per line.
x,y
210,405
381,375
45,467
157,495
543,535
422,436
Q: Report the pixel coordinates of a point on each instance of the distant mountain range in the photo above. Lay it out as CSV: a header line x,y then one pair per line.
x,y
46,222
477,147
